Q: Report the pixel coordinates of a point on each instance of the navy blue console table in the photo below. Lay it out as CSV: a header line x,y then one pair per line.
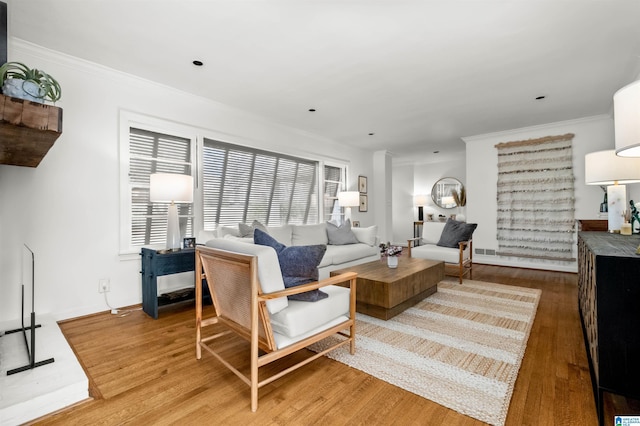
x,y
155,264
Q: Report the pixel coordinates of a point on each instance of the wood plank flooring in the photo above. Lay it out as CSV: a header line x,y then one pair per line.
x,y
144,371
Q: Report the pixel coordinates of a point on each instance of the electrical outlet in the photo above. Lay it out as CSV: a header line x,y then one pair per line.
x,y
104,286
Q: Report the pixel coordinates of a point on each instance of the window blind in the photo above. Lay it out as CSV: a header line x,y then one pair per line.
x,y
152,152
242,184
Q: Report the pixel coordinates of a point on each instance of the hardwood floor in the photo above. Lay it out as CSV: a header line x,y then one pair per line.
x,y
144,371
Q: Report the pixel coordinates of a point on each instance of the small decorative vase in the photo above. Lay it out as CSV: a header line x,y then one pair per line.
x,y
392,261
460,217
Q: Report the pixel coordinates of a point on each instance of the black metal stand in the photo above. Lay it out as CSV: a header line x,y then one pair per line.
x,y
31,350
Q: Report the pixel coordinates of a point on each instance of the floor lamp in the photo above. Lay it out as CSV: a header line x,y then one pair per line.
x,y
348,199
606,168
171,188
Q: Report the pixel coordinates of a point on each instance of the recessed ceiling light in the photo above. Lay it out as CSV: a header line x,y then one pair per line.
x,y
312,110
198,63
539,98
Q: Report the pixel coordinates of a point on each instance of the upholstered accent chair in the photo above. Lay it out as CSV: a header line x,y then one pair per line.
x,y
450,242
250,300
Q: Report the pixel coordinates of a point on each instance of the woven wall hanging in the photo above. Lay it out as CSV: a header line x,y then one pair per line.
x,y
536,198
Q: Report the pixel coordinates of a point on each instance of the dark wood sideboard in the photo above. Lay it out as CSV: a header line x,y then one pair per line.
x,y
609,304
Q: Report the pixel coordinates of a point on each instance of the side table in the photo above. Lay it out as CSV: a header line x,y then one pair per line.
x,y
155,264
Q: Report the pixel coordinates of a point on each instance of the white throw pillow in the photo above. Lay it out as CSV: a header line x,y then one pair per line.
x,y
366,235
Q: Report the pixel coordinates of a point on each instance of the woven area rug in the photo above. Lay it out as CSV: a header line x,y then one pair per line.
x,y
461,347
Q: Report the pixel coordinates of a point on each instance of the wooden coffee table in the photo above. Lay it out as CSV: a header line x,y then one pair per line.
x,y
383,292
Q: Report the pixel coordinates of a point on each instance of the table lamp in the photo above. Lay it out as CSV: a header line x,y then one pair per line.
x,y
348,199
420,200
606,168
171,188
626,111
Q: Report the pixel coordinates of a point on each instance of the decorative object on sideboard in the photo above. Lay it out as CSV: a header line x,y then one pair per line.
x,y
635,218
171,188
420,200
19,81
626,111
606,168
348,199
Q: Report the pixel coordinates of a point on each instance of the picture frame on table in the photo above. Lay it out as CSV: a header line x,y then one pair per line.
x,y
355,224
189,242
364,204
362,184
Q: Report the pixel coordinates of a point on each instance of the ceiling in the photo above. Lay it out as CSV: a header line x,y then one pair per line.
x,y
419,75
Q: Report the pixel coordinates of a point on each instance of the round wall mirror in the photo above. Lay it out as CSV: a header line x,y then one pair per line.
x,y
441,192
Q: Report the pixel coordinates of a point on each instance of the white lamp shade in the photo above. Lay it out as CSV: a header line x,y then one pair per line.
x,y
420,200
626,110
606,168
349,198
170,187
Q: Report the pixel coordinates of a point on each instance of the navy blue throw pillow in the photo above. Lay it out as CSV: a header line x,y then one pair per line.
x,y
298,264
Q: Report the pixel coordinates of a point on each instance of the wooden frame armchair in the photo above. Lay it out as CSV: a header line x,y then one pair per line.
x,y
242,306
458,267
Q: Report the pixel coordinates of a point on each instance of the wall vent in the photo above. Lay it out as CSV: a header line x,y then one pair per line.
x,y
490,252
479,251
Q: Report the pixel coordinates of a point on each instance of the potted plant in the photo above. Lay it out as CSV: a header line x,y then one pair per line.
x,y
391,253
20,81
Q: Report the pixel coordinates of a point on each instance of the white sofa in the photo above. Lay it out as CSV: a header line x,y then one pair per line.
x,y
458,261
336,256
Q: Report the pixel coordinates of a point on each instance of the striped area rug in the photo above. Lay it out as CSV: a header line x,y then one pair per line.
x,y
461,347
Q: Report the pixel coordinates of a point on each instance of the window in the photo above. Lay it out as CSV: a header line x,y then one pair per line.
x,y
233,183
152,152
241,184
333,183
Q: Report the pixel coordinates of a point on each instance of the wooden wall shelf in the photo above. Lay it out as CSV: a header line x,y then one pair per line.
x,y
27,131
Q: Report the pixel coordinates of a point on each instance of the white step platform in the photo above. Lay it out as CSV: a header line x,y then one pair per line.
x,y
33,393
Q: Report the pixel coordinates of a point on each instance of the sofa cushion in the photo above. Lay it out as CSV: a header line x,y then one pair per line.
x,y
341,235
298,264
366,235
269,272
282,234
306,235
246,231
300,317
434,252
223,231
337,255
431,232
455,232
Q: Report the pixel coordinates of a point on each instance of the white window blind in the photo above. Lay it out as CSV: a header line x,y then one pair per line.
x,y
152,152
241,184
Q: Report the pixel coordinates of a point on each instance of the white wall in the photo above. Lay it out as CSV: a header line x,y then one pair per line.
x,y
409,180
591,134
67,209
